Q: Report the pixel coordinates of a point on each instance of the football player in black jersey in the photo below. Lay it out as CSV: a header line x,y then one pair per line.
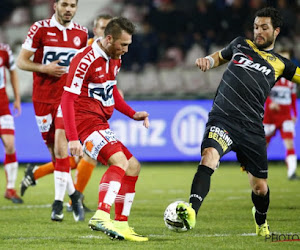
x,y
235,120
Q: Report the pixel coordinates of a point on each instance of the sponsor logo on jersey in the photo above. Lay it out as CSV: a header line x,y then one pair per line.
x,y
77,41
98,69
89,145
34,28
271,58
84,64
221,136
96,141
7,122
51,34
187,129
102,92
65,55
44,122
246,62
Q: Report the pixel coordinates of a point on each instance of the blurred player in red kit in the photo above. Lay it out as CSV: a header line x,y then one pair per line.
x,y
89,99
53,43
7,127
84,168
279,106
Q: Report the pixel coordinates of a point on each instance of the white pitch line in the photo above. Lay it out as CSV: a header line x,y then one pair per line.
x,y
206,235
23,206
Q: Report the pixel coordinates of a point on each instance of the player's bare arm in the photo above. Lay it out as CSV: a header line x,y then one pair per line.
x,y
212,61
15,86
75,148
25,63
142,115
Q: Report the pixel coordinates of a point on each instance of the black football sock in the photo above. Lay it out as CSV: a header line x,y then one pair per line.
x,y
200,186
261,204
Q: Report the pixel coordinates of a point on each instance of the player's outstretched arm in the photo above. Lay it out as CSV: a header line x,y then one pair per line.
x,y
212,61
25,63
142,115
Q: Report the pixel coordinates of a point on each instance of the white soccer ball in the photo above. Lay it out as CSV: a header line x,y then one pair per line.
x,y
172,221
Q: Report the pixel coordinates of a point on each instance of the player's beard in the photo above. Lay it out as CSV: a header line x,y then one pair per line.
x,y
64,19
266,44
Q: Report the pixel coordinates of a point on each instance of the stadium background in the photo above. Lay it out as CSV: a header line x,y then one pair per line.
x,y
158,72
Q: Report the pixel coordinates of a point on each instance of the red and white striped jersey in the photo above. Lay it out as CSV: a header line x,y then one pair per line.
x,y
6,62
92,76
51,41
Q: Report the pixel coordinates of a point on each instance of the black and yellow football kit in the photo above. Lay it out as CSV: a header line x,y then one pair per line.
x,y
235,121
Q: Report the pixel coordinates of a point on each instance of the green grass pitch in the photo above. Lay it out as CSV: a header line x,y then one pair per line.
x,y
224,221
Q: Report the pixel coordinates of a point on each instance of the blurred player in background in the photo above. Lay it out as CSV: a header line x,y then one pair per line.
x,y
279,106
99,25
7,127
53,43
235,120
85,168
88,102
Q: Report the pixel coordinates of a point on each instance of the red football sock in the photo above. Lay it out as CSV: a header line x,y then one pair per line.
x,y
125,198
109,187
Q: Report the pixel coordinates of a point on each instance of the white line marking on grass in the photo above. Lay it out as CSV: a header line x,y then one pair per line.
x,y
25,206
207,235
91,237
21,206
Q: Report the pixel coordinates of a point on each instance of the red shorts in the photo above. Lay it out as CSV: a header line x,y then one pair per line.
x,y
48,117
7,125
286,128
102,144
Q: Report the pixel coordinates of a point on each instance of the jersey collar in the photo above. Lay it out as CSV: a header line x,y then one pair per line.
x,y
99,51
55,23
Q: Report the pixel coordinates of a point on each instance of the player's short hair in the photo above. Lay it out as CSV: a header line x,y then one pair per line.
x,y
58,1
274,14
117,25
102,16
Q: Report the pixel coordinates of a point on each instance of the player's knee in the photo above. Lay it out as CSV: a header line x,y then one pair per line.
x,y
61,152
10,148
210,157
134,167
260,189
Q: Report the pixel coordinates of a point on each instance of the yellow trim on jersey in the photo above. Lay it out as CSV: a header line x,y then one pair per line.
x,y
220,55
296,77
274,61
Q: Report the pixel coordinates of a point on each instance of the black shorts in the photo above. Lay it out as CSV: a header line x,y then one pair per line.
x,y
250,147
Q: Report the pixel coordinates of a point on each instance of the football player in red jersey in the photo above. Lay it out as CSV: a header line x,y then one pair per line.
x,y
279,106
84,168
89,99
53,43
7,127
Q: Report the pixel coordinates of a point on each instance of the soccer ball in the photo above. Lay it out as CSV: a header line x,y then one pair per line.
x,y
172,221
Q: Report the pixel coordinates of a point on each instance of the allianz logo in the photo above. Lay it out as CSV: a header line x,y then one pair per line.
x,y
184,131
188,128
